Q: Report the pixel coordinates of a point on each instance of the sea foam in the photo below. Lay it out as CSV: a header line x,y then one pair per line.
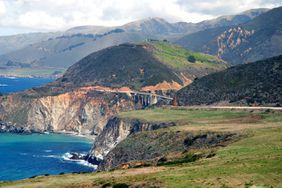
x,y
67,157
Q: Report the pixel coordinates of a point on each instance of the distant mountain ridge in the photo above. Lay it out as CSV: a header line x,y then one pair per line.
x,y
16,42
64,49
256,39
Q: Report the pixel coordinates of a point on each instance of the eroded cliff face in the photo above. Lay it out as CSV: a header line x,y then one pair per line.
x,y
117,130
85,110
233,38
82,111
75,111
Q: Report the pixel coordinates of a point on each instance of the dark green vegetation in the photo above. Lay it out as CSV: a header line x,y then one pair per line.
x,y
191,59
253,159
138,65
257,83
251,41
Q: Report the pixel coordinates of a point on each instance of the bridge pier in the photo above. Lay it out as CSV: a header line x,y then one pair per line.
x,y
148,99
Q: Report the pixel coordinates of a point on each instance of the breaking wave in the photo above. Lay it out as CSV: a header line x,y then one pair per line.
x,y
67,157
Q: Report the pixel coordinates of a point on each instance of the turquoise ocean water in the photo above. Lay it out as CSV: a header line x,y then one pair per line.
x,y
23,156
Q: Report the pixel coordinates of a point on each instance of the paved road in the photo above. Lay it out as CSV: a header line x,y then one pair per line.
x,y
235,107
133,92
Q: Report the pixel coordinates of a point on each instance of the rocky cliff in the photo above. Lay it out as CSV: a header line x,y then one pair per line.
x,y
162,146
117,130
84,111
77,111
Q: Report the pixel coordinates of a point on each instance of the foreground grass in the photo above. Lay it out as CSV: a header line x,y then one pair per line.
x,y
254,160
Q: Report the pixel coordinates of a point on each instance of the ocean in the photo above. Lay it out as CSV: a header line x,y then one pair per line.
x,y
24,156
14,84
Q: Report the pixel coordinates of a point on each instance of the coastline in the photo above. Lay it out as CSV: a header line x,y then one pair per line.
x,y
68,133
13,76
87,136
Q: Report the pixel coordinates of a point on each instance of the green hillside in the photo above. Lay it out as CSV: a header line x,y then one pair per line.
x,y
140,64
257,83
177,57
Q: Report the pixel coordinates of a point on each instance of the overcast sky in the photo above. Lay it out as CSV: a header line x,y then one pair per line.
x,y
19,16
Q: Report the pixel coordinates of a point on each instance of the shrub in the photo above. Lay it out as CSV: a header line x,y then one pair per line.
x,y
106,185
120,185
191,59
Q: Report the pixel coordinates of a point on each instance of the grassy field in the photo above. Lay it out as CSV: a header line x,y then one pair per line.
x,y
177,57
196,116
253,161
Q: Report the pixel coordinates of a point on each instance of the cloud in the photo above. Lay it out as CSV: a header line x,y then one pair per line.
x,y
2,8
53,15
41,20
223,7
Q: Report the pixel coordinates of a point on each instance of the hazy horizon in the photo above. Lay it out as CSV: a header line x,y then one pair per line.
x,y
26,16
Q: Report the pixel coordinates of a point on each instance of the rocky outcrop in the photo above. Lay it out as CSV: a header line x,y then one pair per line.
x,y
117,130
12,128
231,39
257,39
161,146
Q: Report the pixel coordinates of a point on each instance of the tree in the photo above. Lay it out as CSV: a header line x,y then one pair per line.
x,y
191,59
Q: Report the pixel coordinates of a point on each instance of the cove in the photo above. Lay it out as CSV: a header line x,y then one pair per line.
x,y
24,156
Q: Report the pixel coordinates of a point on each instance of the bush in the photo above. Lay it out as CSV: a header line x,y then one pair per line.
x,y
191,59
120,185
106,185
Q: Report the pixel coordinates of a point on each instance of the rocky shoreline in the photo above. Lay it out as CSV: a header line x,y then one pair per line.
x,y
8,127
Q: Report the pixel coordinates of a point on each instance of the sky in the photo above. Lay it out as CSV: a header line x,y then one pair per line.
x,y
22,16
